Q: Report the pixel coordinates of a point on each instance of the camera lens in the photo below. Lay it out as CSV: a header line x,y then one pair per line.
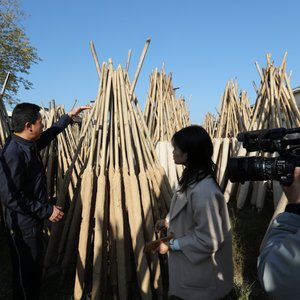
x,y
241,169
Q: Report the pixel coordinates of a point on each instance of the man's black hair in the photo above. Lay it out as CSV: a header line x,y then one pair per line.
x,y
23,113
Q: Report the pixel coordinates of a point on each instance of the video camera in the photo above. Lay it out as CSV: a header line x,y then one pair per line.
x,y
257,168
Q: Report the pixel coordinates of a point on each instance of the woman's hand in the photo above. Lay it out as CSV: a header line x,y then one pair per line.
x,y
163,248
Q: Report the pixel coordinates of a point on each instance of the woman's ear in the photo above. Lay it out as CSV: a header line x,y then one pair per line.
x,y
28,126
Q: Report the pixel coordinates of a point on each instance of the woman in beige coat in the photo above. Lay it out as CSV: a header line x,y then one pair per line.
x,y
200,254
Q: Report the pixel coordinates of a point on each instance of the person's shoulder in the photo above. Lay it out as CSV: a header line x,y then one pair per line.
x,y
207,183
288,218
206,188
11,149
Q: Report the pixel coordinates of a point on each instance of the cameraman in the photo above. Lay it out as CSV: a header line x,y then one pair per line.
x,y
279,259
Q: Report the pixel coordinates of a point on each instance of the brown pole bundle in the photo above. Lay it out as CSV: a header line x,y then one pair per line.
x,y
113,190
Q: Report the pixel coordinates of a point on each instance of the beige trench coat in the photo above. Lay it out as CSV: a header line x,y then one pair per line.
x,y
199,219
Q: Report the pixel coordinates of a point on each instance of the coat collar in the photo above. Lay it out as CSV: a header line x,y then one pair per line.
x,y
22,140
27,143
179,201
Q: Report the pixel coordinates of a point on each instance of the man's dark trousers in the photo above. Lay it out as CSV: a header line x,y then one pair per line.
x,y
27,253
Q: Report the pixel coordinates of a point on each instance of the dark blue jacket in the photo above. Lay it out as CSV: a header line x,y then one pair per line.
x,y
23,190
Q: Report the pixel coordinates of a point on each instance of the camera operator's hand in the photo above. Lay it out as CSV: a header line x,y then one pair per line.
x,y
292,192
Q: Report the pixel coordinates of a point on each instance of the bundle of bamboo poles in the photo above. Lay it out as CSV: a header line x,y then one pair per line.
x,y
182,109
234,113
63,172
275,106
118,191
164,115
209,123
233,116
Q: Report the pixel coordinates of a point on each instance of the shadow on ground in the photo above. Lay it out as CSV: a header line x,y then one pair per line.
x,y
248,229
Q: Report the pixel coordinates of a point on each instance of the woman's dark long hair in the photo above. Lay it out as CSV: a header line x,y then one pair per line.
x,y
196,142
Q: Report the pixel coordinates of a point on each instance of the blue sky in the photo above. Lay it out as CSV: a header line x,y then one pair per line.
x,y
202,43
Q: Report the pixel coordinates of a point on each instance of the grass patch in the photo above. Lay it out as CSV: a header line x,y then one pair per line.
x,y
248,230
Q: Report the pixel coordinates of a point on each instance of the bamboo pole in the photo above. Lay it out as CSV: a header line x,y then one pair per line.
x,y
87,188
95,59
99,237
116,203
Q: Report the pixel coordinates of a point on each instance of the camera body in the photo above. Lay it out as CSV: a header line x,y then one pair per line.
x,y
256,168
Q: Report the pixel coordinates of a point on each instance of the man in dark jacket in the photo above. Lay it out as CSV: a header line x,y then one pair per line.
x,y
23,193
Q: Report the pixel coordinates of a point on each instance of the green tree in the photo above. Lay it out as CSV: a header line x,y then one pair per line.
x,y
16,52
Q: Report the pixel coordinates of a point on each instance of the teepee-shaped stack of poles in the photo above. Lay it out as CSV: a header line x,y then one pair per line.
x,y
164,115
233,109
233,117
119,190
63,170
275,106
